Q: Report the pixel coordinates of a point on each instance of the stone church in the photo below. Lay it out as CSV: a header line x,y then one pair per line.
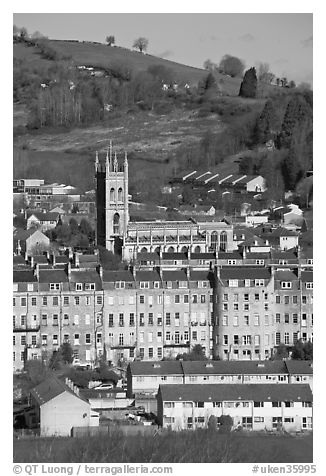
x,y
114,228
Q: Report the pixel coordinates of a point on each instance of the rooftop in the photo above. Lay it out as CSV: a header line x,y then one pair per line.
x,y
221,392
156,368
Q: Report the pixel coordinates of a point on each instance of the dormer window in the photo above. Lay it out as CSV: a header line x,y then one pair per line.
x,y
309,285
232,261
286,285
54,286
282,261
79,287
156,284
260,261
310,261
233,283
182,284
90,287
169,284
120,284
144,285
259,282
15,286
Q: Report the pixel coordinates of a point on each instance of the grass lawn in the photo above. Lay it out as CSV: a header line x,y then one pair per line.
x,y
200,446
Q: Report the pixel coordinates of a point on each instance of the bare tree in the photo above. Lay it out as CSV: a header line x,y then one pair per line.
x,y
141,44
110,40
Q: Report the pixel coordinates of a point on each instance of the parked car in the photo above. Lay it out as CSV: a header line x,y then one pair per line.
x,y
104,386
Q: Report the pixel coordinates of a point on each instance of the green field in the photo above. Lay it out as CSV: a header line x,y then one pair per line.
x,y
200,446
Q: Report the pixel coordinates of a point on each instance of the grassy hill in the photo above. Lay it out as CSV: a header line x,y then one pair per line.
x,y
102,56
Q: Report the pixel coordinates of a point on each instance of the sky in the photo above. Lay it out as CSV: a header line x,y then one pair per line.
x,y
283,40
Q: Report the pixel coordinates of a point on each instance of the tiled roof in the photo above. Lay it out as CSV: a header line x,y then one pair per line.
x,y
148,257
299,366
175,256
229,255
113,276
40,259
221,392
307,276
156,368
49,389
288,254
85,277
147,276
22,235
237,272
24,276
200,275
48,216
220,367
18,260
200,256
52,276
174,276
256,255
88,258
285,275
283,232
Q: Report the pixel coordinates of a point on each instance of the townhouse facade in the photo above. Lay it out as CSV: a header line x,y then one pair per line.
x,y
145,377
251,407
161,307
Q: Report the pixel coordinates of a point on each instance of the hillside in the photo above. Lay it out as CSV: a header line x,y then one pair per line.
x,y
102,56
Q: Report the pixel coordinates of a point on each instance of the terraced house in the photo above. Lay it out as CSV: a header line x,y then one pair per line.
x,y
151,312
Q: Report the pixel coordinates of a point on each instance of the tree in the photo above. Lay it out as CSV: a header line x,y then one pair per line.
x,y
281,352
231,65
108,260
36,371
292,84
141,44
86,228
302,350
110,40
67,353
16,31
248,88
23,33
73,225
266,123
225,423
304,191
212,423
264,74
195,354
209,65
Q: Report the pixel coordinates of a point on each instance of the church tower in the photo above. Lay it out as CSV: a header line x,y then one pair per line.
x,y
111,199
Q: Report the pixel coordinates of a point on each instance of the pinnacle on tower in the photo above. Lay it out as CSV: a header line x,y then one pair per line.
x,y
96,161
126,159
115,164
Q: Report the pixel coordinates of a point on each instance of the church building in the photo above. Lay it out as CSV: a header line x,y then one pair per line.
x,y
114,228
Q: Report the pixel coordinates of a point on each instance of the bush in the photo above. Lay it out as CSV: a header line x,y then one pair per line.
x,y
226,423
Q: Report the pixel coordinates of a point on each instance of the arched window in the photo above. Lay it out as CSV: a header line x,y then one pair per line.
x,y
184,249
214,241
197,249
157,249
170,249
112,198
116,224
223,241
143,250
120,195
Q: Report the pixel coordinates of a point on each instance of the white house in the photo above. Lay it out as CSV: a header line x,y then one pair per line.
x,y
252,407
59,408
43,221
